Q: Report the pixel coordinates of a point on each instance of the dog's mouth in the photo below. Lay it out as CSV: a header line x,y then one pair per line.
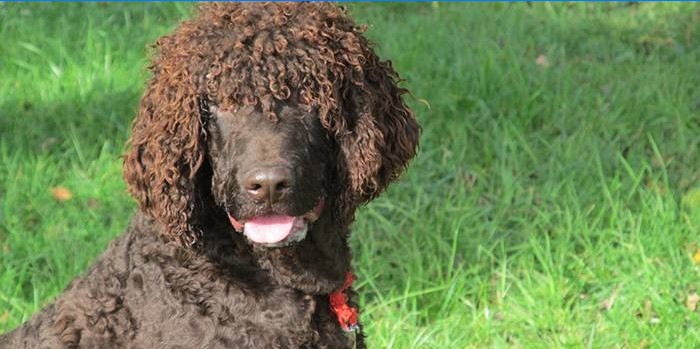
x,y
276,230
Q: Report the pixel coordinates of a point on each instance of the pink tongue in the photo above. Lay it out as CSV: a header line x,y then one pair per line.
x,y
268,229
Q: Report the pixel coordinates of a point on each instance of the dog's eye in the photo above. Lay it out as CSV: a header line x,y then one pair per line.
x,y
206,111
203,105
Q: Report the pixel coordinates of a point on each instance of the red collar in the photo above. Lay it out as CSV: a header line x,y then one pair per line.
x,y
346,314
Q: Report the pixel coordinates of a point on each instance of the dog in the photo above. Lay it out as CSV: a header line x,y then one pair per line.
x,y
262,129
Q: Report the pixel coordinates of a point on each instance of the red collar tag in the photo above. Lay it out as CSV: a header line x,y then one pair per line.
x,y
347,315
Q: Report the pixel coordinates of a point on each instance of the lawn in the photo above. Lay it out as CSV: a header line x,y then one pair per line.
x,y
555,202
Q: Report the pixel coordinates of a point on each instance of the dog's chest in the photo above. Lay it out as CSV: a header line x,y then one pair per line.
x,y
158,300
213,315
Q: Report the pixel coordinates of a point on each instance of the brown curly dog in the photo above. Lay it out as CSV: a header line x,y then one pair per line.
x,y
262,129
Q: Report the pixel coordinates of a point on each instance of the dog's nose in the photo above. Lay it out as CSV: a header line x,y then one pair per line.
x,y
268,184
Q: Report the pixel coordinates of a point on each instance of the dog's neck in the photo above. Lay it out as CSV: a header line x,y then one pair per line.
x,y
316,265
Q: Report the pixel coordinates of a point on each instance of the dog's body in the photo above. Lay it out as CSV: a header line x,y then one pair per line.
x,y
144,293
262,130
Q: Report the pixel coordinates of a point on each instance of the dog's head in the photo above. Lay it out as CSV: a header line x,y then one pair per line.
x,y
270,176
278,113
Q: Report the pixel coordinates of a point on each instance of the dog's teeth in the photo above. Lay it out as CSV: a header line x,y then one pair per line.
x,y
299,235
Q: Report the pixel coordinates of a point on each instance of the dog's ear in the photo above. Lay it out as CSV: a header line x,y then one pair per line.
x,y
381,133
167,148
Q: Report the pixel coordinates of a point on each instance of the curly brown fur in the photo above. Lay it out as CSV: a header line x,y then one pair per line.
x,y
236,86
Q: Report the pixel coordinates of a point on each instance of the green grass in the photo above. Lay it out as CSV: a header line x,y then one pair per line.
x,y
542,192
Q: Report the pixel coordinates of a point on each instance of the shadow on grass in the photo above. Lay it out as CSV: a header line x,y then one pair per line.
x,y
68,127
